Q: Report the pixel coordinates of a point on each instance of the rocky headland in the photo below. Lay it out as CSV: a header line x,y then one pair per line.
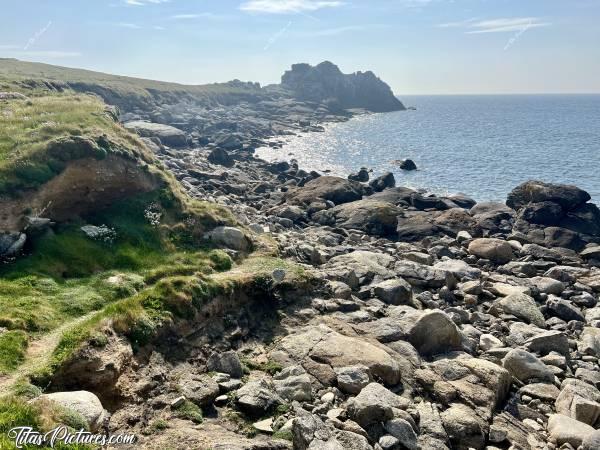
x,y
330,313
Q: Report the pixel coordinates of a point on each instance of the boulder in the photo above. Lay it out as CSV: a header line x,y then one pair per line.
x,y
333,350
293,383
382,182
229,142
496,250
403,432
220,157
257,397
85,403
371,216
408,164
229,237
567,196
524,366
227,362
365,265
460,269
168,135
564,430
393,292
591,441
465,429
362,176
434,332
542,213
579,400
202,390
422,202
478,382
521,306
352,379
374,404
334,189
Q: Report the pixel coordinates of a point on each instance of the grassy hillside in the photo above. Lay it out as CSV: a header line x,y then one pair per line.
x,y
66,274
126,92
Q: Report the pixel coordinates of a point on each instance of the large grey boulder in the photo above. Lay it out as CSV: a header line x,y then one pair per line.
x,y
168,135
202,390
525,367
564,430
220,157
567,196
465,429
521,306
434,332
352,379
579,400
334,189
334,350
458,268
475,381
591,441
258,397
293,383
85,403
393,292
374,404
371,216
496,250
226,362
229,237
364,264
404,432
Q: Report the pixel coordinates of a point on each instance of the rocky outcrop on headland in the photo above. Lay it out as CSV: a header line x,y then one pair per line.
x,y
325,82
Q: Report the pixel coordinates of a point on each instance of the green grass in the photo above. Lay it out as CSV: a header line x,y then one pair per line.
x,y
28,78
17,412
270,367
38,137
286,435
13,345
189,411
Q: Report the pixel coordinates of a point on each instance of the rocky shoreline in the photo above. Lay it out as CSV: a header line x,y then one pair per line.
x,y
417,321
431,322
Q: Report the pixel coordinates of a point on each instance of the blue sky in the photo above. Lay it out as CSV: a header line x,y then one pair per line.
x,y
417,46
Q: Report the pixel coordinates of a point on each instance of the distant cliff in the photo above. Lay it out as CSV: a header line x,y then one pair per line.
x,y
325,81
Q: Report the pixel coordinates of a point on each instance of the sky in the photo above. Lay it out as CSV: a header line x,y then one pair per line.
x,y
416,46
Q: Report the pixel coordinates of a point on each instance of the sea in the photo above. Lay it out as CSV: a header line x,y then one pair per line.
x,y
479,145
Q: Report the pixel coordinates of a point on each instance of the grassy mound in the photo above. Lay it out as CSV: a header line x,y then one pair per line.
x,y
40,135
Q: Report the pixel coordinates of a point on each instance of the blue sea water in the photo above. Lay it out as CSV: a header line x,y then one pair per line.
x,y
482,146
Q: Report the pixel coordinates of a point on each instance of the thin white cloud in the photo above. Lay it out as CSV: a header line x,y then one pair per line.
x,y
507,25
203,15
131,26
501,25
287,6
340,30
459,24
145,2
